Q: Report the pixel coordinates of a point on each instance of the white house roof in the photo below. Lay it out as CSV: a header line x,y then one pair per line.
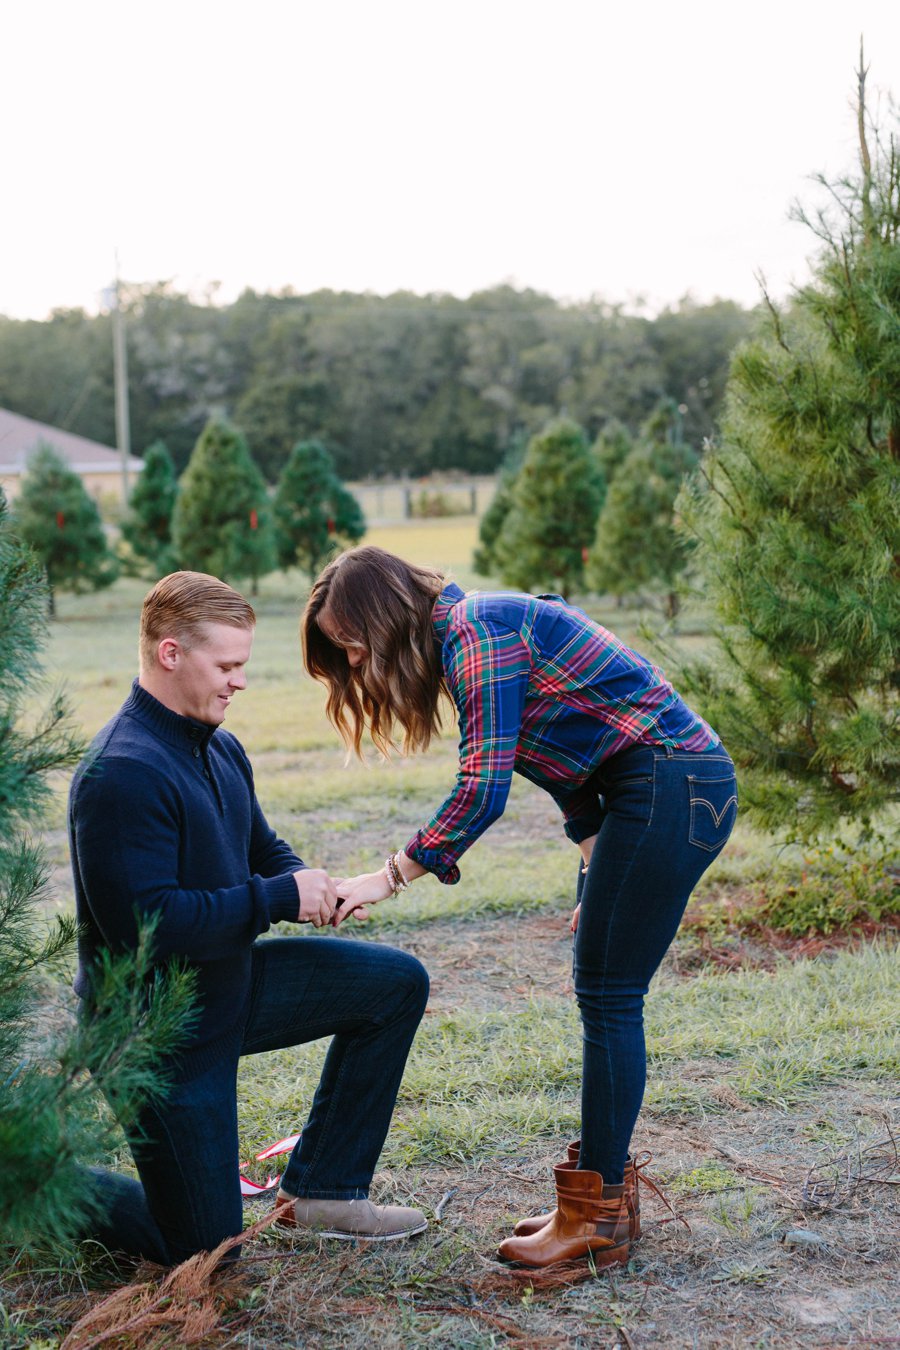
x,y
21,436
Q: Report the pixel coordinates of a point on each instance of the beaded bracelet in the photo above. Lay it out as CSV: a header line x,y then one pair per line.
x,y
395,889
396,880
398,872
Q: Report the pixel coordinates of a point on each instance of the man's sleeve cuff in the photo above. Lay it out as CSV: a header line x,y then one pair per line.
x,y
282,897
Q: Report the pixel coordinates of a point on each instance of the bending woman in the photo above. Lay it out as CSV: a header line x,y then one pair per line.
x,y
646,790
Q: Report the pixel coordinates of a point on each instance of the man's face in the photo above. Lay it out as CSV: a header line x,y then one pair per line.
x,y
205,679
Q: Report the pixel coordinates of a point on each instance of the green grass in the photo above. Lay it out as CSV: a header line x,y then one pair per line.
x,y
499,1082
794,1052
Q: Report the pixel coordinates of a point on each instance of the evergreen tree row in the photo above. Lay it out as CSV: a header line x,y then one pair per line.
x,y
218,518
574,517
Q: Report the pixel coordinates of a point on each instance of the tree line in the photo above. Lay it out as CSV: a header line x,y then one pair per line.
x,y
218,517
395,385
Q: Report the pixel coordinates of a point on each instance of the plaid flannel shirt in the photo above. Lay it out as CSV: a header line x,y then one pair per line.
x,y
543,690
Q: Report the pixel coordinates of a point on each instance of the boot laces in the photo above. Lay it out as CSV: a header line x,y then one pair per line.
x,y
641,1178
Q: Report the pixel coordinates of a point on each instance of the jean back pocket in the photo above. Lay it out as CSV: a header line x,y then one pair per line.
x,y
713,810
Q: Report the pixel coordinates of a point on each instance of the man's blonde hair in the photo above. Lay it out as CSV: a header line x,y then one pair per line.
x,y
182,604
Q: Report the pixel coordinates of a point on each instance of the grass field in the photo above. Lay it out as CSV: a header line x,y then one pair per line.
x,y
758,1075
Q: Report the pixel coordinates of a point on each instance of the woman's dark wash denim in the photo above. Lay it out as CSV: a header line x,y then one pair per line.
x,y
667,816
370,998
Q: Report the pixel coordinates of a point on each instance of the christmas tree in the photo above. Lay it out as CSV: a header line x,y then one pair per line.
x,y
59,520
797,524
315,515
222,521
637,548
148,526
552,514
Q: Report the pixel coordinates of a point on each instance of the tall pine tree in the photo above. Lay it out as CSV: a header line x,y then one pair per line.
x,y
148,526
798,527
315,515
222,520
552,514
59,520
49,1118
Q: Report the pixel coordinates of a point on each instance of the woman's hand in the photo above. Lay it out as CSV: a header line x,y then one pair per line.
x,y
355,894
586,848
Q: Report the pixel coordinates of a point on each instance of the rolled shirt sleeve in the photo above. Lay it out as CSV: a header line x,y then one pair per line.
x,y
487,667
582,810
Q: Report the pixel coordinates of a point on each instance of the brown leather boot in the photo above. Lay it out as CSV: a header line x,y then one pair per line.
x,y
537,1221
632,1194
589,1218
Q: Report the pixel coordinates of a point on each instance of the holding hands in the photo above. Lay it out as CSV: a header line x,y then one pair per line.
x,y
318,896
330,900
356,894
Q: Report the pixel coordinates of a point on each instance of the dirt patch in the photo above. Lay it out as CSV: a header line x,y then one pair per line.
x,y
492,962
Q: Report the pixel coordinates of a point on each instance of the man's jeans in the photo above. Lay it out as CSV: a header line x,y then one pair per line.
x,y
370,998
667,816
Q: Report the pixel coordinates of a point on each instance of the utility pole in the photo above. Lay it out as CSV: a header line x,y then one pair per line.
x,y
120,377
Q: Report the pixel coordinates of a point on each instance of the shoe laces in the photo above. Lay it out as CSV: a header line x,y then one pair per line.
x,y
641,1178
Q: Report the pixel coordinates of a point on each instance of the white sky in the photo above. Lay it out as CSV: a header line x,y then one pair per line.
x,y
620,148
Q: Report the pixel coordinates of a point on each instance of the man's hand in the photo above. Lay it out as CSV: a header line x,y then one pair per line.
x,y
355,894
318,896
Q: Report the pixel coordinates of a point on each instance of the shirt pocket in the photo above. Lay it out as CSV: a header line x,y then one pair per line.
x,y
713,803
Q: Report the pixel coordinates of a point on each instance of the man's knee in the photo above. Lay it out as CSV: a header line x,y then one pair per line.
x,y
415,976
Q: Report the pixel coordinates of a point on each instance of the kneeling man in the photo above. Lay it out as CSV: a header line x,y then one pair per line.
x,y
164,822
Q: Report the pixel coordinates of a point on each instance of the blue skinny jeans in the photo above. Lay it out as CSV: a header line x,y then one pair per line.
x,y
667,814
370,998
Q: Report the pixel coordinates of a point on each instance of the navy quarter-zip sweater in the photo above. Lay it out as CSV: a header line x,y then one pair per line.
x,y
163,820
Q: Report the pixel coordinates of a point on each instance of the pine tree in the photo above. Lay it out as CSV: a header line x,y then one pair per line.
x,y
483,559
553,511
798,528
222,520
148,526
49,1118
59,520
611,448
637,548
315,515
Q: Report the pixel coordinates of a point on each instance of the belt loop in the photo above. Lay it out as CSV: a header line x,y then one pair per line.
x,y
669,751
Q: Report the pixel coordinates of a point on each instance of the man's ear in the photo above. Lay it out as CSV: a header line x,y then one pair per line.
x,y
168,653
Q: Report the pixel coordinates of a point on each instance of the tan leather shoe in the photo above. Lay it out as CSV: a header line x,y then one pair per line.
x,y
352,1220
589,1218
633,1175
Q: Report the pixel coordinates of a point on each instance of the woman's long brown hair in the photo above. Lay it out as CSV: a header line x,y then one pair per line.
x,y
374,598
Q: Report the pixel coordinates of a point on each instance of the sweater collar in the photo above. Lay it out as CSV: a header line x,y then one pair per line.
x,y
449,596
169,726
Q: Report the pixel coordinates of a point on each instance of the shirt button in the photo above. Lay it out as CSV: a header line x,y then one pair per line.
x,y
196,752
